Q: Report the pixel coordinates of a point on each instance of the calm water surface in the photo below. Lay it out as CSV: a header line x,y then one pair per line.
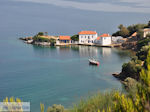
x,y
56,75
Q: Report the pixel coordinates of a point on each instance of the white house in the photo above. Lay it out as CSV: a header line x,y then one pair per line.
x,y
87,37
104,40
117,40
63,40
146,32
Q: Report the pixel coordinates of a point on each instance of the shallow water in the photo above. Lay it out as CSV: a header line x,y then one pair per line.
x,y
56,75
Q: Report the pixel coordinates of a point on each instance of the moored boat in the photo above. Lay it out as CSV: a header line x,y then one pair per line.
x,y
93,62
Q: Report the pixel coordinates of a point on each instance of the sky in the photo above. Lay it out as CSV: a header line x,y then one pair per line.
x,y
68,17
140,6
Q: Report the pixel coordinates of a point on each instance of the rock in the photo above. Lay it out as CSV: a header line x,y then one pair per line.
x,y
22,38
42,43
29,41
116,75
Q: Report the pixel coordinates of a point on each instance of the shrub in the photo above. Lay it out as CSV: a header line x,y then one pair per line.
x,y
140,34
56,108
131,69
75,37
40,39
95,103
142,43
140,100
143,52
40,34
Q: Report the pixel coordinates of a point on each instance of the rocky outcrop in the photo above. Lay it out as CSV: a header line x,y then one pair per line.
x,y
29,40
26,38
42,43
130,45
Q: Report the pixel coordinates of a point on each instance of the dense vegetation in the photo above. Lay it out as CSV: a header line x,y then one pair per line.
x,y
39,38
75,37
128,31
133,67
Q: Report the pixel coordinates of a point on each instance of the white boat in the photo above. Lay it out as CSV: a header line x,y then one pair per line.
x,y
93,62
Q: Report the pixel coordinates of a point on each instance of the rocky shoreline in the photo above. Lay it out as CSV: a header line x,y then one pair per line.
x,y
128,82
29,40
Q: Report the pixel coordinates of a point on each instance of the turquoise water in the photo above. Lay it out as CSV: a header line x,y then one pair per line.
x,y
56,75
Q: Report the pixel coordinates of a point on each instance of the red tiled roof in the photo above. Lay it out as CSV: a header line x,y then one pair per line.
x,y
134,34
64,38
146,29
98,38
87,32
105,35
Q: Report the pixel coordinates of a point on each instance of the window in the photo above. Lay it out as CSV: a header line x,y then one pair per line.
x,y
88,37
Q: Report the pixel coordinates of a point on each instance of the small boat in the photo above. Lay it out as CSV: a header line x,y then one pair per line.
x,y
93,62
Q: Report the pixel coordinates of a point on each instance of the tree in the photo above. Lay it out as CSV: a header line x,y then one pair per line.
x,y
116,33
40,34
75,37
120,26
140,34
136,27
124,32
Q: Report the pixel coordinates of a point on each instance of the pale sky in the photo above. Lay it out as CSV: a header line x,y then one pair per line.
x,y
68,17
138,6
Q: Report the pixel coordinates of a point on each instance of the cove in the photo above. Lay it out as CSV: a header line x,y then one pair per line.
x,y
56,75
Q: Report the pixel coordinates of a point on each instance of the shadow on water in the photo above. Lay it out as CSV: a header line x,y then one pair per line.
x,y
123,53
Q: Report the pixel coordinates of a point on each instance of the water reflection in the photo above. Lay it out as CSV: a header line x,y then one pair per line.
x,y
106,51
43,51
82,51
88,51
123,53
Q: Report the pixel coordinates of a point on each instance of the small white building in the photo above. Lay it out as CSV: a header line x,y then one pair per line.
x,y
63,40
117,40
87,37
104,40
146,31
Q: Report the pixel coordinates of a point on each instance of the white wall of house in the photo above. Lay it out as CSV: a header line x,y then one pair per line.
x,y
117,40
146,33
105,40
87,39
98,41
57,42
